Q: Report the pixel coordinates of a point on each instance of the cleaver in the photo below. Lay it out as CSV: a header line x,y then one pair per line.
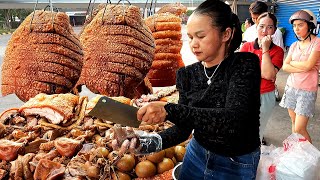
x,y
114,111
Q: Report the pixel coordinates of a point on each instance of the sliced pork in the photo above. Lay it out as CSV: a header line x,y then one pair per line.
x,y
55,108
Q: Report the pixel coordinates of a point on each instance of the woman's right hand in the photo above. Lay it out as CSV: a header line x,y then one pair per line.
x,y
266,42
152,113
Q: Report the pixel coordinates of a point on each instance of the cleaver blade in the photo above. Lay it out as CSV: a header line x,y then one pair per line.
x,y
114,111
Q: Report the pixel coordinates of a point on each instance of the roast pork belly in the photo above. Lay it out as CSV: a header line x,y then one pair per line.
x,y
118,52
173,8
9,113
166,29
55,108
44,55
160,95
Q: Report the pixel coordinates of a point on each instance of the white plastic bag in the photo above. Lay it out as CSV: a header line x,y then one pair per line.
x,y
268,161
300,161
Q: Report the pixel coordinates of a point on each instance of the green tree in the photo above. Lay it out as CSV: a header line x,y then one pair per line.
x,y
22,13
8,16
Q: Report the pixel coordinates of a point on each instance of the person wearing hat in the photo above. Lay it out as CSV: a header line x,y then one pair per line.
x,y
302,62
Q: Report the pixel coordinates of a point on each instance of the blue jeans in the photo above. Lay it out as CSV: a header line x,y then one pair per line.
x,y
199,163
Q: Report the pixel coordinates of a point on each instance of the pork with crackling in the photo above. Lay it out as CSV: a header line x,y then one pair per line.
x,y
55,108
156,96
166,29
47,48
173,8
7,114
118,52
89,18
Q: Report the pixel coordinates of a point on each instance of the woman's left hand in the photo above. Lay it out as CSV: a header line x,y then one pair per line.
x,y
152,113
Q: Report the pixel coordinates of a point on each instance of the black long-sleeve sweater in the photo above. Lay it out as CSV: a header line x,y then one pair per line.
x,y
224,114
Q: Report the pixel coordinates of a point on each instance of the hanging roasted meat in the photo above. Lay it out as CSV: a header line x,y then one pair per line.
x,y
173,8
118,52
43,55
91,15
166,29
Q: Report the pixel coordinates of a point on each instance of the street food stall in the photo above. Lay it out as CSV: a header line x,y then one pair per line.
x,y
47,66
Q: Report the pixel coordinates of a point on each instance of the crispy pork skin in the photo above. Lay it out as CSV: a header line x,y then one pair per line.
x,y
8,114
56,108
173,8
44,55
118,52
166,29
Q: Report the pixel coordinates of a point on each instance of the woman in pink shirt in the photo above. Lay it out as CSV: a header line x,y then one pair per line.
x,y
302,62
271,60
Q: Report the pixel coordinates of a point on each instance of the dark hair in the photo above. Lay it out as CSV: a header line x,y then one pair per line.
x,y
222,18
250,21
269,15
258,7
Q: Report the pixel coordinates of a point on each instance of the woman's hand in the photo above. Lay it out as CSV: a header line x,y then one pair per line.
x,y
123,139
152,113
266,42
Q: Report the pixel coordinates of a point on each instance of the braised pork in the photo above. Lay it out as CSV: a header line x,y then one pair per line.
x,y
9,150
48,170
67,147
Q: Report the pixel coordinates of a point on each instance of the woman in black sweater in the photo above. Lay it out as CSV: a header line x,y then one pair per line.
x,y
219,98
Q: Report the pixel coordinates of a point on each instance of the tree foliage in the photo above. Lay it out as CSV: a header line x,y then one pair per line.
x,y
8,16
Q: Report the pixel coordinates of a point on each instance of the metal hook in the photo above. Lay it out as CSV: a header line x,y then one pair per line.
x,y
123,2
155,5
54,8
117,4
104,10
91,11
151,9
51,9
34,11
144,9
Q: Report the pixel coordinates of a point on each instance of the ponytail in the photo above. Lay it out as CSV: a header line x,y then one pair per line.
x,y
236,36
